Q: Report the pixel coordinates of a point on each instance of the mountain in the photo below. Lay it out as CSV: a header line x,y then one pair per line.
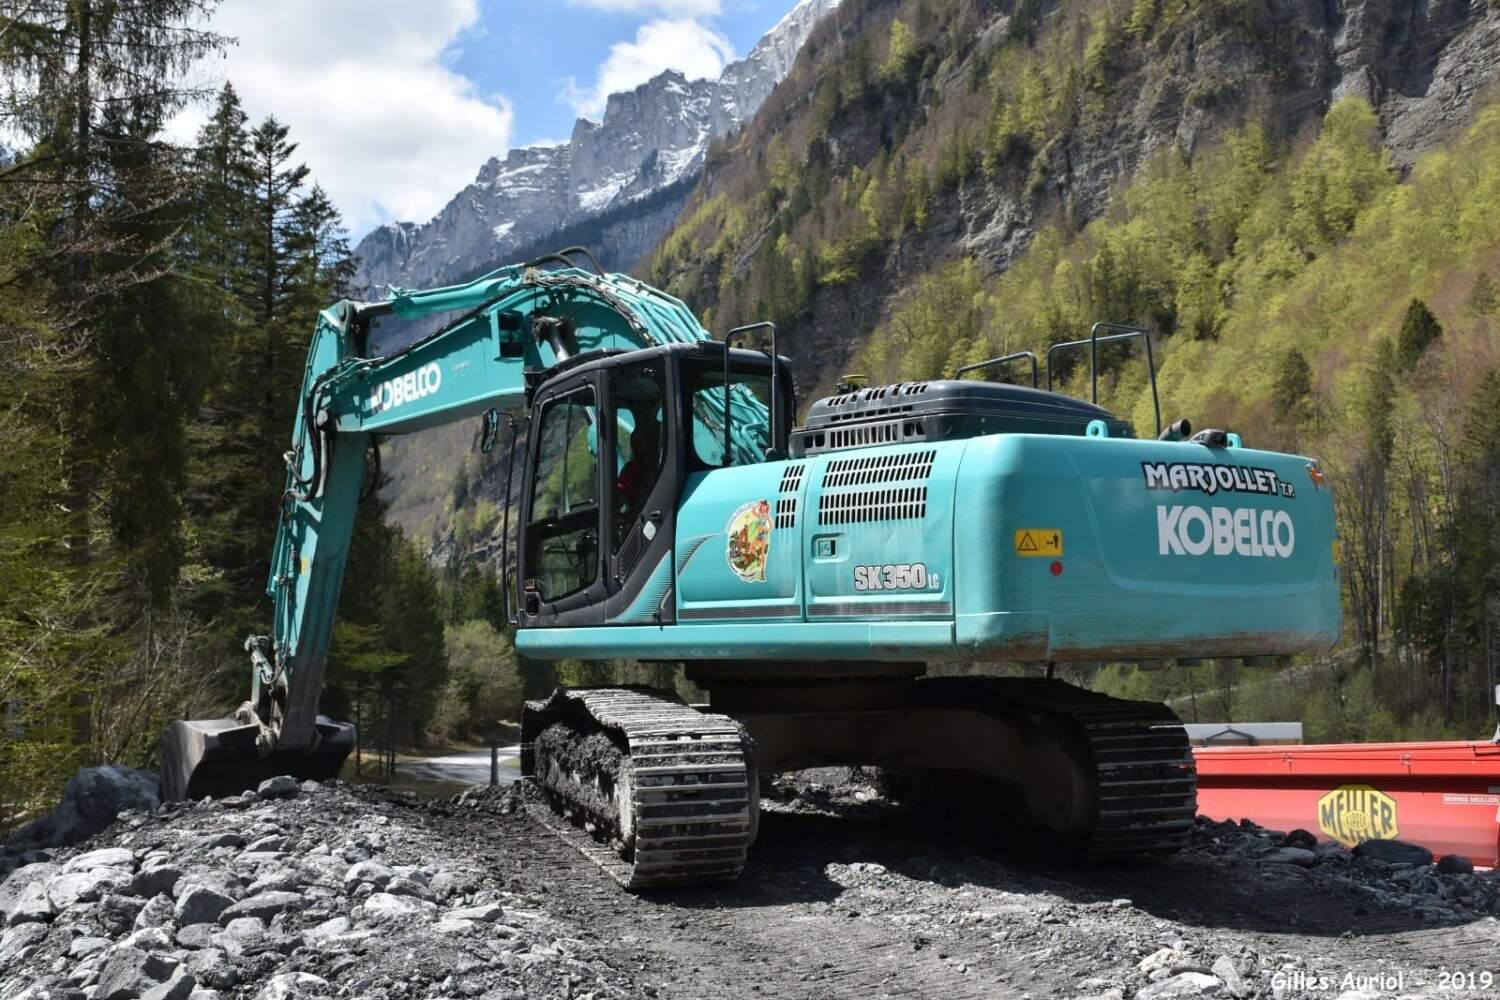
x,y
920,132
650,141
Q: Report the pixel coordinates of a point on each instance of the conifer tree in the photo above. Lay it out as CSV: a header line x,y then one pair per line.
x,y
1419,328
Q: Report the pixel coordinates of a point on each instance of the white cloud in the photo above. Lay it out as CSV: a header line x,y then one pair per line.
x,y
385,126
668,8
693,49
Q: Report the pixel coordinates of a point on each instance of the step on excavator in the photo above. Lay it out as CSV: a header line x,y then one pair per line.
x,y
806,577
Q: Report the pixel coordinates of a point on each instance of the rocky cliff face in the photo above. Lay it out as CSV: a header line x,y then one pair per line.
x,y
1281,62
650,139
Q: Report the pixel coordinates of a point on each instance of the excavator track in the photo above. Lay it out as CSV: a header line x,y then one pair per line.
x,y
1146,781
656,792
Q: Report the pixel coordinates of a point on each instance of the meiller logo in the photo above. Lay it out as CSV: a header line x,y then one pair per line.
x,y
1223,531
413,385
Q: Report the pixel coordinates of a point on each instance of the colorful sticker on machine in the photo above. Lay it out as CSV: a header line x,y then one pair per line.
x,y
1352,814
749,541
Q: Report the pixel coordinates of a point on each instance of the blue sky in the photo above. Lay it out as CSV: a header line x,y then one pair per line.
x,y
396,104
531,57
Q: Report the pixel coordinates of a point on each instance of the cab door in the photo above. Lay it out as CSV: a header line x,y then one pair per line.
x,y
643,480
563,577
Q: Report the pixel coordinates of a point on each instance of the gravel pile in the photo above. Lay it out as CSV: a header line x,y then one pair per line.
x,y
1392,874
299,890
295,890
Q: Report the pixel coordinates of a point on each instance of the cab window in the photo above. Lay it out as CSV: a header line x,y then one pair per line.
x,y
565,507
635,395
749,400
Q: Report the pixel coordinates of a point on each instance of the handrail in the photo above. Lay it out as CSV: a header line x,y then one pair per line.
x,y
1035,371
1094,340
775,383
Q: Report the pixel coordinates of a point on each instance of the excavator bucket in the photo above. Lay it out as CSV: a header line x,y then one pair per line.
x,y
216,757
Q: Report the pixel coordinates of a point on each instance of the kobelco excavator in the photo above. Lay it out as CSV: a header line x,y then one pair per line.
x,y
806,577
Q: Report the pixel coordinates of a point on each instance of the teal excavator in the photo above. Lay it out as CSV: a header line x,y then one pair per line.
x,y
808,578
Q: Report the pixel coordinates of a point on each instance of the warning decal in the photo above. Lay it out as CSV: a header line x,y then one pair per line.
x,y
1039,542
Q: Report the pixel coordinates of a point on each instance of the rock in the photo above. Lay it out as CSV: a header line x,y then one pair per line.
x,y
372,872
450,926
18,939
85,946
1159,959
1292,856
327,929
1187,984
177,988
274,842
280,880
213,841
201,905
445,884
264,906
108,857
1299,838
382,908
1454,864
240,933
90,886
291,985
160,880
159,911
1234,983
119,913
282,786
129,972
486,913
32,906
218,879
197,935
149,939
92,799
1394,852
211,966
17,882
1331,850
401,886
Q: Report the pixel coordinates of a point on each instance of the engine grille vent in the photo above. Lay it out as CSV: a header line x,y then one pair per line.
x,y
862,506
791,479
786,512
907,466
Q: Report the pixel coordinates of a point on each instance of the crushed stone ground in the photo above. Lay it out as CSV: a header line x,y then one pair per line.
x,y
346,891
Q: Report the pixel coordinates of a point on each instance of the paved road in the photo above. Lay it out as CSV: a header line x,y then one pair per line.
x,y
471,768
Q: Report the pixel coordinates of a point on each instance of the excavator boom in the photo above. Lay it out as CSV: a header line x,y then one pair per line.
x,y
517,320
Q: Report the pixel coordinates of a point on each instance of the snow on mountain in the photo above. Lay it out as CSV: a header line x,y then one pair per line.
x,y
650,138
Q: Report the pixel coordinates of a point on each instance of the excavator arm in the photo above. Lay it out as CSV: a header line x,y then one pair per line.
x,y
509,328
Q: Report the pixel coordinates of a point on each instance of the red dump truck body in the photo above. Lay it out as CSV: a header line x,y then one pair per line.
x,y
1444,796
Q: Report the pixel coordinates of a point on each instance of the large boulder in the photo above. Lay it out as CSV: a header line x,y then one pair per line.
x,y
91,801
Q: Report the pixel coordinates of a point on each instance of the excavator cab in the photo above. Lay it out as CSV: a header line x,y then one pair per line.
x,y
615,437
